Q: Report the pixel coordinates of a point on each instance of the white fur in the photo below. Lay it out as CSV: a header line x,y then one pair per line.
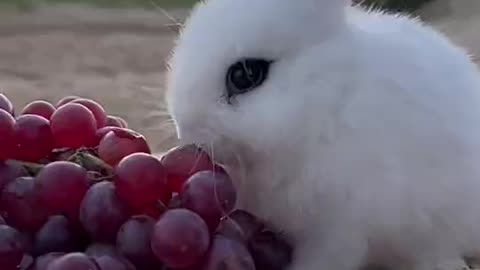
x,y
363,144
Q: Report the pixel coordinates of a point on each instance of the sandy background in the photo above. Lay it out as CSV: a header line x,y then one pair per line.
x,y
117,57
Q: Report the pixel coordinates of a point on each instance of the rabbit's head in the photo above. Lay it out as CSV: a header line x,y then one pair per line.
x,y
241,73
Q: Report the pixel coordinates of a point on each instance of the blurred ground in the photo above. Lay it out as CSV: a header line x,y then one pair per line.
x,y
117,56
458,19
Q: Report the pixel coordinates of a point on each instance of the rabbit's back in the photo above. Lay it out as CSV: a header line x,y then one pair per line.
x,y
406,145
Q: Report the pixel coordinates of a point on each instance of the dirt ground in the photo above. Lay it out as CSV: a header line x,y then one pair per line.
x,y
459,20
121,67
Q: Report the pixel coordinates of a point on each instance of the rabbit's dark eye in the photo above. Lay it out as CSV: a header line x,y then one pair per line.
x,y
246,75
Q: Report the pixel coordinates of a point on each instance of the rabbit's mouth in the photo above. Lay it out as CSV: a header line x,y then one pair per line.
x,y
224,152
221,154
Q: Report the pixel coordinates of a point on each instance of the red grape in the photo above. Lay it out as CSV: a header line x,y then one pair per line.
x,y
122,121
269,251
180,238
72,261
6,104
9,172
112,263
113,121
228,254
33,138
182,162
39,107
55,235
26,263
61,186
133,241
120,143
2,221
11,250
27,241
101,249
73,125
240,225
102,132
102,212
175,202
231,229
43,261
7,133
66,100
140,180
155,210
18,201
209,194
96,109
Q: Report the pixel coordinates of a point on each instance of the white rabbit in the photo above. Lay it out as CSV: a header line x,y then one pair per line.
x,y
358,131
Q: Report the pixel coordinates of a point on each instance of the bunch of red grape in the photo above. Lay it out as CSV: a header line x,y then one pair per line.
x,y
81,191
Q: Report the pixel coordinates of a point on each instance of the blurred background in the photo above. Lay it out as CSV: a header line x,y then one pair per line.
x,y
114,51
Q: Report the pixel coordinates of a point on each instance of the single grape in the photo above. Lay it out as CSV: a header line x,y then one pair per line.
x,y
19,204
96,109
102,212
175,202
6,104
112,263
27,239
102,132
101,249
240,225
11,250
180,238
39,107
73,125
7,134
182,162
231,229
140,180
269,251
113,121
209,194
66,100
118,144
228,254
72,261
61,186
55,235
9,172
33,138
154,211
133,241
43,261
27,262
122,121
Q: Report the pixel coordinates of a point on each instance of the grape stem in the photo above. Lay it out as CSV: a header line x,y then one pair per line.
x,y
80,157
91,162
30,167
